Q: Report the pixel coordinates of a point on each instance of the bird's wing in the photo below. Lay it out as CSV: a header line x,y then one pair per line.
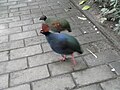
x,y
63,44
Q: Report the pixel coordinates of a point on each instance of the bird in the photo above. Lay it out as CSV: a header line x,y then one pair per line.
x,y
56,24
62,43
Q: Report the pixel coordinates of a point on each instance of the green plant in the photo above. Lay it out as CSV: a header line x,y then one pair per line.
x,y
110,9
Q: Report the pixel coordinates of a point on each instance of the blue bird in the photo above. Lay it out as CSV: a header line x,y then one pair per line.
x,y
61,43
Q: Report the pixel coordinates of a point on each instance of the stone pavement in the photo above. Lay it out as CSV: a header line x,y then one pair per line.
x,y
28,63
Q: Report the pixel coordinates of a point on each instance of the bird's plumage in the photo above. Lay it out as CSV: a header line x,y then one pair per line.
x,y
57,24
63,43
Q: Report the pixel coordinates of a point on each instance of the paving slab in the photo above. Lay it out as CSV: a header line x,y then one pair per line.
x,y
111,85
102,57
28,75
90,87
93,75
63,82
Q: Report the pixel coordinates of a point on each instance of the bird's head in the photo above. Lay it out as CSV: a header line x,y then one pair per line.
x,y
45,28
43,17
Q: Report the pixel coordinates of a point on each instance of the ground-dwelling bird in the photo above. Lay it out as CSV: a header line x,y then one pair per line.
x,y
61,43
57,24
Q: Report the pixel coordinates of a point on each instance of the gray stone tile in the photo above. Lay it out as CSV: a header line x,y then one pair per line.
x,y
87,38
14,10
14,65
102,58
58,11
34,3
24,52
8,4
3,26
3,39
18,5
21,87
10,31
3,7
3,81
19,13
116,66
10,19
22,35
3,1
35,40
38,10
4,56
29,7
93,75
87,29
28,75
44,58
11,45
101,46
3,15
57,83
4,12
46,47
27,16
66,66
90,87
48,12
45,8
111,85
36,20
87,47
31,27
20,23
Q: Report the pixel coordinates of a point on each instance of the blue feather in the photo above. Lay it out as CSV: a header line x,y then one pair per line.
x,y
63,43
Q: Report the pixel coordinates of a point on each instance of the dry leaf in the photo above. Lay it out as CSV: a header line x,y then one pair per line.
x,y
86,7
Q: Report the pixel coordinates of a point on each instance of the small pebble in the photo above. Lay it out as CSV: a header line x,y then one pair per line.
x,y
96,29
83,15
85,32
58,2
94,26
98,32
112,69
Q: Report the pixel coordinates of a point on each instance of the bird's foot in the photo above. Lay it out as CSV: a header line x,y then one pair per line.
x,y
63,58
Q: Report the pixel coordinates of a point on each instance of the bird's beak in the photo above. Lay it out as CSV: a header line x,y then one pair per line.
x,y
41,31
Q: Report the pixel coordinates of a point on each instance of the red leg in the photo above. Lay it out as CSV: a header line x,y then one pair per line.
x,y
73,59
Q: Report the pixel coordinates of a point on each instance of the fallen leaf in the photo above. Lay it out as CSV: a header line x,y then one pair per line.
x,y
86,7
82,2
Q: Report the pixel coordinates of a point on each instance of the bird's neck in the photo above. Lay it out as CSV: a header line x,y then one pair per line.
x,y
47,33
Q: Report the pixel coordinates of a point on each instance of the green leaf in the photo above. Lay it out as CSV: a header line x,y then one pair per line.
x,y
82,2
86,7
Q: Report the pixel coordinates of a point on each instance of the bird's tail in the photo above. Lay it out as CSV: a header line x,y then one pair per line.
x,y
69,30
80,51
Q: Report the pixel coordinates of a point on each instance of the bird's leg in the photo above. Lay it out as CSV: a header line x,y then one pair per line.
x,y
63,58
73,60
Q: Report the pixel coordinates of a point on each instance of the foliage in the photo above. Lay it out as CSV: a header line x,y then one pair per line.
x,y
110,9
